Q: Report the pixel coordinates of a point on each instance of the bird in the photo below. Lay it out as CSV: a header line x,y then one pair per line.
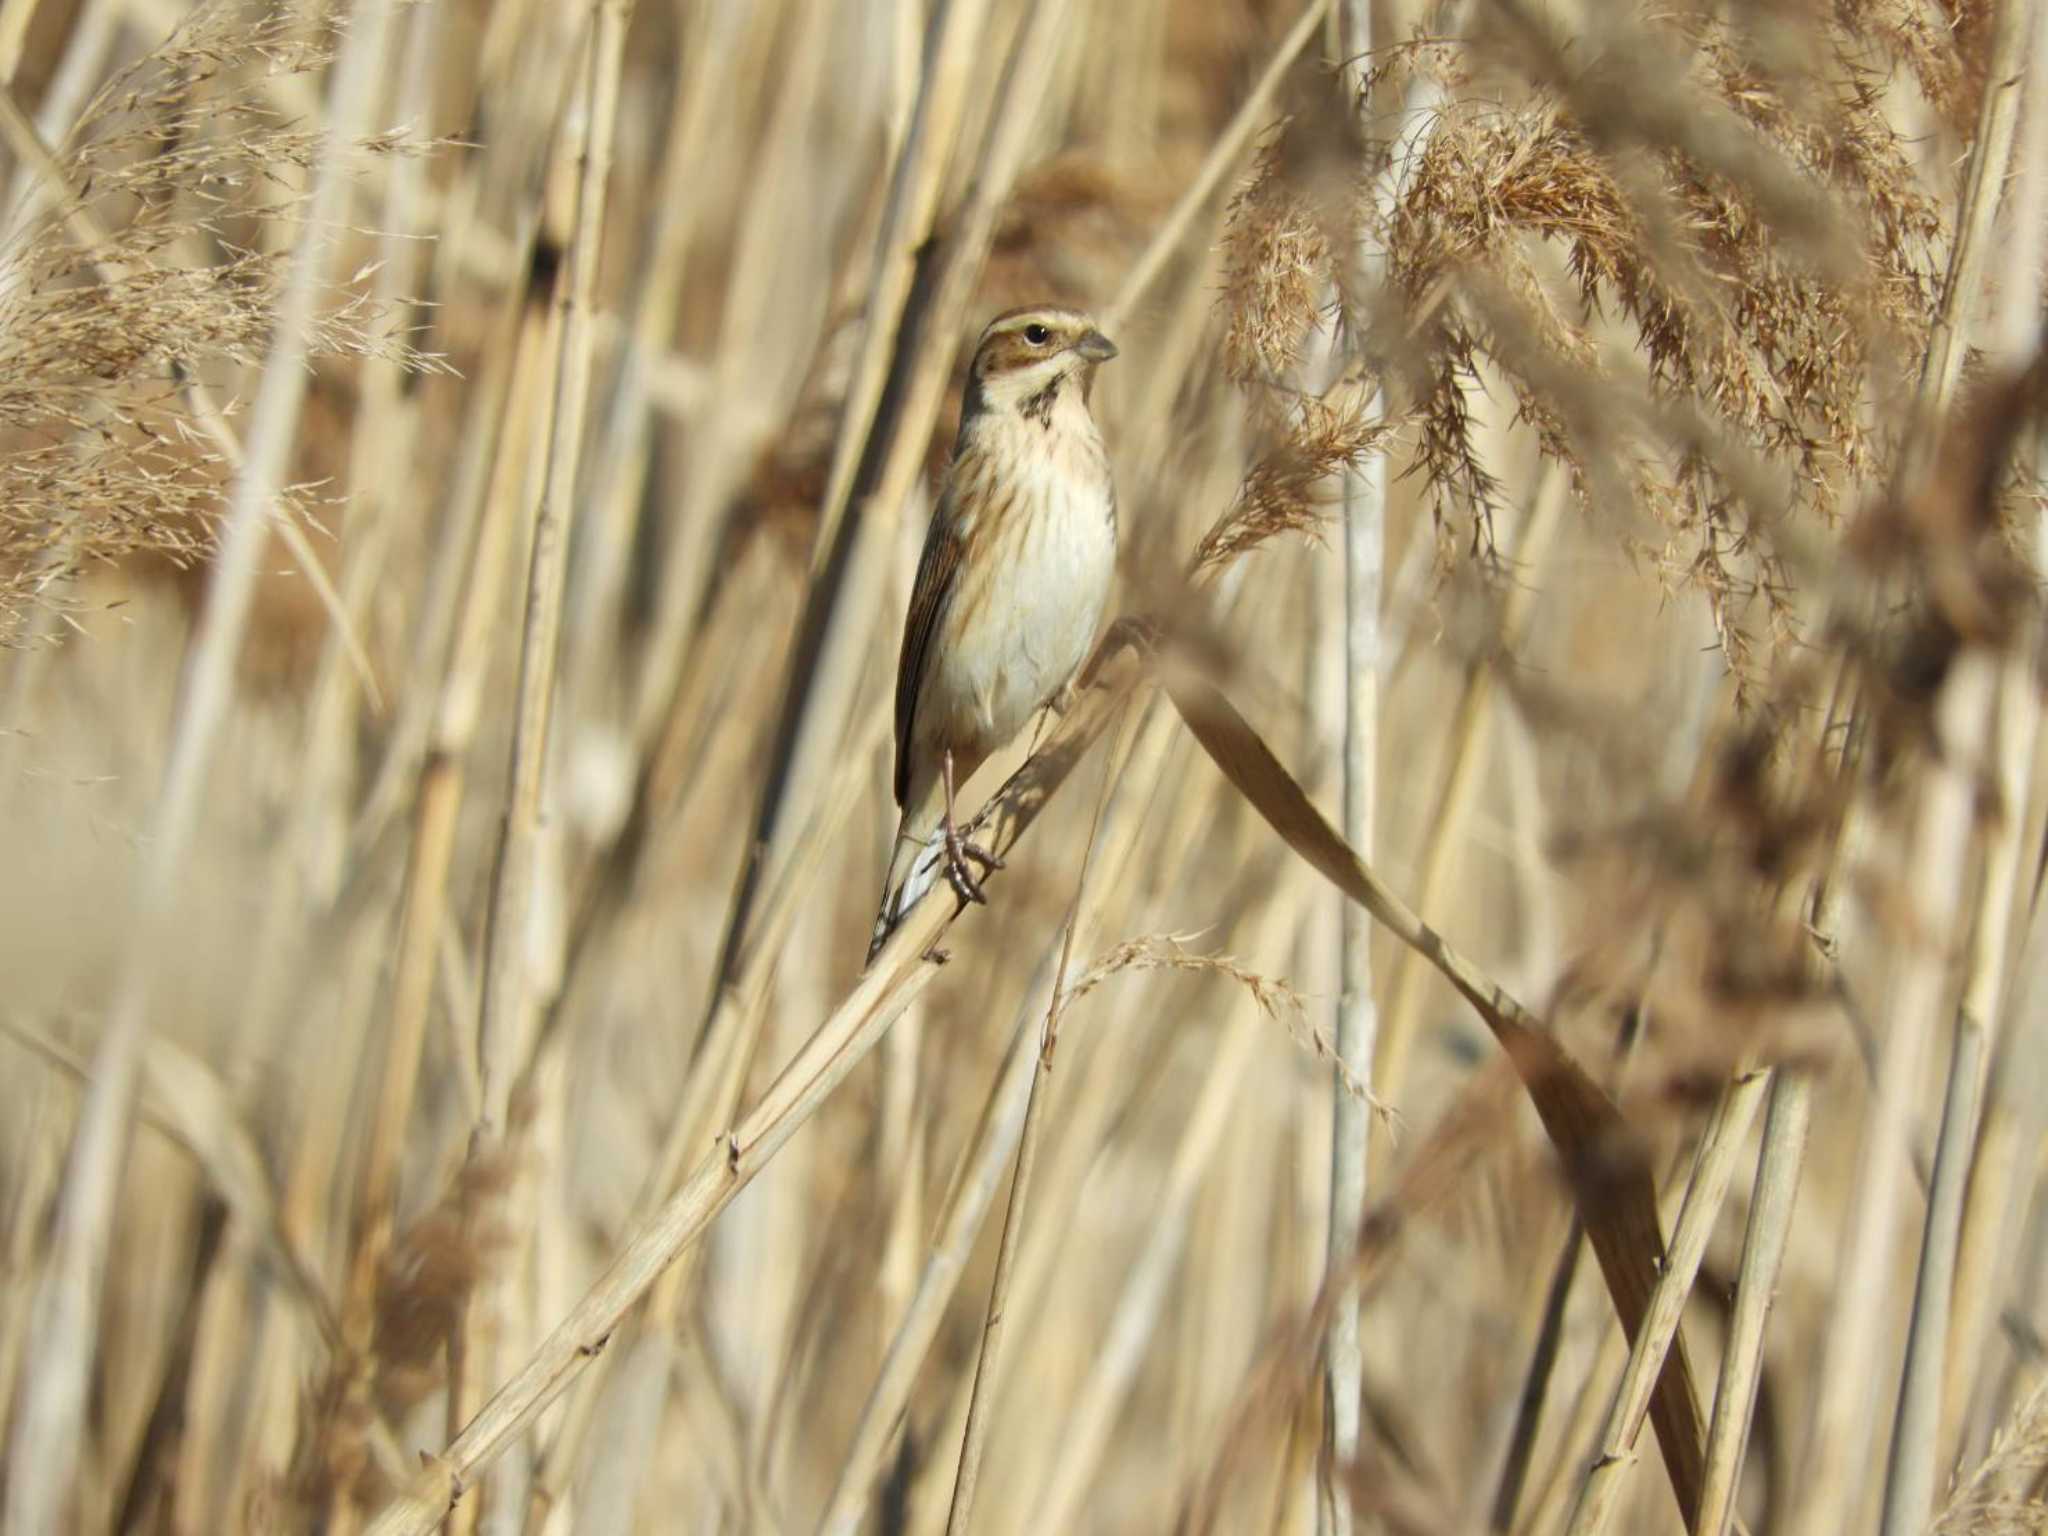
x,y
1011,587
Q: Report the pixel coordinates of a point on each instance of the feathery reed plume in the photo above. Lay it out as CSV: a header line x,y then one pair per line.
x,y
150,268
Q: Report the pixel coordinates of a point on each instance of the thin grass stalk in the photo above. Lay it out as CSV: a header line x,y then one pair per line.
x,y
450,574
1931,1362
750,376
1713,1169
183,1100
1357,1017
952,49
974,1440
421,926
731,1040
1940,847
1787,1119
508,1001
1998,1185
508,963
438,802
1916,1437
49,1425
620,467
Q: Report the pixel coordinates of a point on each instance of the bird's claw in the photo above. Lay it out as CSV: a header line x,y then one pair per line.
x,y
962,877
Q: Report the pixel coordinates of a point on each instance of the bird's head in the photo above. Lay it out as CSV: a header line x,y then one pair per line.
x,y
1026,359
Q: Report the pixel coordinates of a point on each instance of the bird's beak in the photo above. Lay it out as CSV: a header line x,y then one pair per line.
x,y
1096,347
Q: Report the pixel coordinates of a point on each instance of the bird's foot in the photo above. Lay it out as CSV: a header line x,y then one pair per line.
x,y
959,870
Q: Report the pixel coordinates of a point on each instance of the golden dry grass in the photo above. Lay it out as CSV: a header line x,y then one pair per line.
x,y
434,954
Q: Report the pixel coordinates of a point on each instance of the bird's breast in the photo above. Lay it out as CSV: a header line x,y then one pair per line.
x,y
1034,579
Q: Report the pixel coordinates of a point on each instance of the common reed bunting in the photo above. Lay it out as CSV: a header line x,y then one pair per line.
x,y
1010,589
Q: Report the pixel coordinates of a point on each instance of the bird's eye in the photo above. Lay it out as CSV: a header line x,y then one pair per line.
x,y
1037,334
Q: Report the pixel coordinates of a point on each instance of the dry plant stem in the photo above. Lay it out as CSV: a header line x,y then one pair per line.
x,y
1841,1418
431,853
953,41
1940,848
995,1139
1916,1439
507,1004
185,1101
1990,158
496,397
1990,1201
1713,1168
503,1026
49,1425
974,1440
1465,756
1787,1119
1357,1019
15,16
898,975
1514,1474
620,470
437,805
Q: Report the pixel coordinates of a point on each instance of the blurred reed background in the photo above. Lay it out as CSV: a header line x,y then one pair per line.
x,y
462,465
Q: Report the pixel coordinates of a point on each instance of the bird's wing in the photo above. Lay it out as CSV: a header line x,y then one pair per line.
x,y
936,568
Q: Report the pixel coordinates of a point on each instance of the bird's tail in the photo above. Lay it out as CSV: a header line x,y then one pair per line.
x,y
915,860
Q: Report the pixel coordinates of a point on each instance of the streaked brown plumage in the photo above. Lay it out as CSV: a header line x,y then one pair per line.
x,y
1011,587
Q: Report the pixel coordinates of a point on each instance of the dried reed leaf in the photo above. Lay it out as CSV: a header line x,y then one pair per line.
x,y
1611,1183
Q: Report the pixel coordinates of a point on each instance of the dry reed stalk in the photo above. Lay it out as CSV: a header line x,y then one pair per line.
x,y
182,1099
1713,1169
2012,344
620,465
442,786
1787,1119
15,16
732,1041
48,1426
1916,1439
1843,1411
896,977
512,970
1928,1378
745,392
308,883
1941,841
1357,1013
503,1029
